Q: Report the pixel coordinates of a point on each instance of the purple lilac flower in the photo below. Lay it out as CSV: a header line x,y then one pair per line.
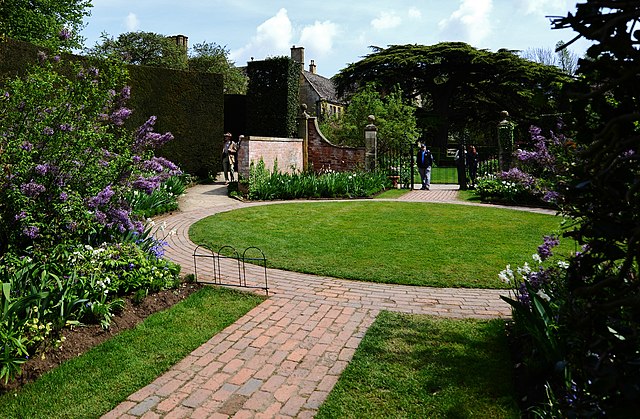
x,y
120,219
65,127
119,116
64,34
102,198
32,232
147,185
42,169
518,176
27,146
64,196
544,250
20,216
101,217
551,196
48,131
32,189
136,159
56,58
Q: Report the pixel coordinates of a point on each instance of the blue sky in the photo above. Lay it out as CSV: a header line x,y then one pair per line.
x,y
335,33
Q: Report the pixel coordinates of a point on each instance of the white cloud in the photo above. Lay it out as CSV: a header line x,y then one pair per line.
x,y
470,23
318,38
546,7
131,22
272,38
414,13
386,20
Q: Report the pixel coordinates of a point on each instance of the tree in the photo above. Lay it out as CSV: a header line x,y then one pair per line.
x,y
142,48
213,58
395,120
561,57
460,88
48,23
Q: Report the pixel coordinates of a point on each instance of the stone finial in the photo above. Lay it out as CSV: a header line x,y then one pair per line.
x,y
303,109
505,117
372,119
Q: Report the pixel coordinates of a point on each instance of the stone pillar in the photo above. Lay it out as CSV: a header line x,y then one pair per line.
x,y
303,132
371,145
505,142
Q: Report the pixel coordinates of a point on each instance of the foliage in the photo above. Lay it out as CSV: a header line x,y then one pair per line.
x,y
395,120
67,161
47,23
272,97
69,241
593,308
459,88
142,48
213,58
538,174
270,185
161,200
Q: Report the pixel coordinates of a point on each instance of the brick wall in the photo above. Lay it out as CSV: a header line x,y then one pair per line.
x,y
288,152
324,155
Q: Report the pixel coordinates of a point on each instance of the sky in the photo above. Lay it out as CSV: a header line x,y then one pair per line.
x,y
335,33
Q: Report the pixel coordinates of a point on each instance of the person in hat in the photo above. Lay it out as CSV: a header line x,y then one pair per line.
x,y
229,149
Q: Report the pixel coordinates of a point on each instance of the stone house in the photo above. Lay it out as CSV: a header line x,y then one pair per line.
x,y
316,91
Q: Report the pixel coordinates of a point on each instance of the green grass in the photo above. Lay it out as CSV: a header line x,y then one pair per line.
x,y
443,245
423,367
96,382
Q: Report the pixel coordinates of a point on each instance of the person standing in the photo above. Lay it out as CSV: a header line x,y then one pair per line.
x,y
228,148
424,160
472,164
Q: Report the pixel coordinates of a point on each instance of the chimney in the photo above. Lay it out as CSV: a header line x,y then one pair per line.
x,y
297,55
181,41
312,67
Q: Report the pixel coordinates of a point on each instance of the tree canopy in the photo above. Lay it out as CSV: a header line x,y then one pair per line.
x,y
458,88
213,58
48,23
142,48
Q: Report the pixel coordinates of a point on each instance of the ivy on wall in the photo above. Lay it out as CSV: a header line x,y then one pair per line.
x,y
272,97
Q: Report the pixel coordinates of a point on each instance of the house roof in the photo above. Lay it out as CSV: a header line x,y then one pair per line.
x,y
323,86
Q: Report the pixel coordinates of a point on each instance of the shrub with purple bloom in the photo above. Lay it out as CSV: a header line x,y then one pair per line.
x,y
64,34
32,232
544,250
32,189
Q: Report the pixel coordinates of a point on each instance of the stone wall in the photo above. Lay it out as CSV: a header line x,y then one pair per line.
x,y
291,156
322,155
288,152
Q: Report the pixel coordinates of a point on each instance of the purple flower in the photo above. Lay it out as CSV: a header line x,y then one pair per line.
x,y
64,34
32,189
27,146
544,250
551,196
148,185
93,72
48,131
20,216
42,169
102,198
65,127
63,196
56,58
119,116
32,232
101,217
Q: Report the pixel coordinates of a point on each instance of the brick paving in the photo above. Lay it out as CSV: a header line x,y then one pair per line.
x,y
283,357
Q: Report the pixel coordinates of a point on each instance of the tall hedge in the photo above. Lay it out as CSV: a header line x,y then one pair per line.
x,y
190,105
272,97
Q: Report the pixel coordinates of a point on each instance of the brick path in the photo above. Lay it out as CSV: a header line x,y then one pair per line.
x,y
283,358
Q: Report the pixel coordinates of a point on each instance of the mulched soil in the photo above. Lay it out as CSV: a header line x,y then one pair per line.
x,y
80,339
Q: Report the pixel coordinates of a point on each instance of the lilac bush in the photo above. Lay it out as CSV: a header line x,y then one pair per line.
x,y
66,160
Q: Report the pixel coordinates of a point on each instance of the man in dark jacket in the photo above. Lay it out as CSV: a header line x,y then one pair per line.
x,y
424,159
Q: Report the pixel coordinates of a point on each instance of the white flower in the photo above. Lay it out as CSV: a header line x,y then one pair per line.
x,y
536,257
543,295
563,264
524,270
506,275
